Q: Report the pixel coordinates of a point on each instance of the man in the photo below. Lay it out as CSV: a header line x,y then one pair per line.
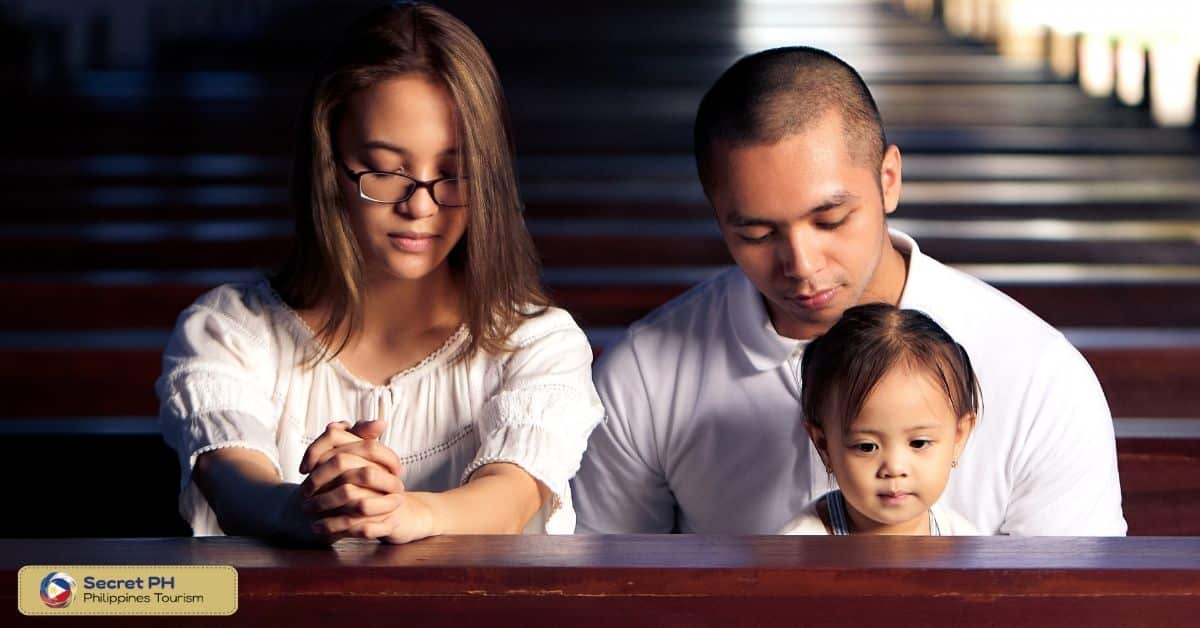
x,y
704,432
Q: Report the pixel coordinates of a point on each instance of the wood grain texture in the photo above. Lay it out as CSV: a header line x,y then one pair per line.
x,y
680,580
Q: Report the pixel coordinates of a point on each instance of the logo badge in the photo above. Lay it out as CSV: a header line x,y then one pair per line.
x,y
58,589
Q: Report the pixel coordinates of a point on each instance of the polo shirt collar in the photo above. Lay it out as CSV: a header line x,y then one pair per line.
x,y
764,348
752,328
919,289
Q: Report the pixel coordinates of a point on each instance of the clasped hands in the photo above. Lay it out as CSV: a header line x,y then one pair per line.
x,y
354,490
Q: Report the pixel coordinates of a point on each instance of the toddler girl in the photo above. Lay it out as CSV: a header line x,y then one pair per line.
x,y
889,399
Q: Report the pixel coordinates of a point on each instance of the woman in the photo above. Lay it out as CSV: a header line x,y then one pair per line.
x,y
405,358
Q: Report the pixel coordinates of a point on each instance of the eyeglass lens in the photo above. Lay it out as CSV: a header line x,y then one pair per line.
x,y
395,188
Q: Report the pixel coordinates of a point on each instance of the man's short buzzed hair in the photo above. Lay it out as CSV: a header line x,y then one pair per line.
x,y
773,94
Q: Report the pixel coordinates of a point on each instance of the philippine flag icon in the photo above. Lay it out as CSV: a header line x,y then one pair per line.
x,y
58,589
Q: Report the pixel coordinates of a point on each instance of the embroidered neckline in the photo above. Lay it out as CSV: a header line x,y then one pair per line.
x,y
300,327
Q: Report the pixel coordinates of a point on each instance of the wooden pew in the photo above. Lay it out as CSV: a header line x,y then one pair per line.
x,y
98,245
672,581
672,134
163,187
95,373
1065,296
89,395
633,198
1159,481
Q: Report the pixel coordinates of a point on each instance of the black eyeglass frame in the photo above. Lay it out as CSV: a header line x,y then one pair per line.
x,y
418,184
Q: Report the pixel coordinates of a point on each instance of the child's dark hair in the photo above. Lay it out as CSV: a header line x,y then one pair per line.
x,y
841,367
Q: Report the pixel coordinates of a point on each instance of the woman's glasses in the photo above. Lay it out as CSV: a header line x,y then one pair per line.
x,y
393,187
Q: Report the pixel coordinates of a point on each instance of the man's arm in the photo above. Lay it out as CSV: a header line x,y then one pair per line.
x,y
1066,472
621,486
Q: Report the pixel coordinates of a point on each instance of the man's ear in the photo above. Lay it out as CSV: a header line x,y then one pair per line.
x,y
817,436
890,178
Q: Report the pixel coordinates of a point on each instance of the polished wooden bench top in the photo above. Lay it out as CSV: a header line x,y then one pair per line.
x,y
682,580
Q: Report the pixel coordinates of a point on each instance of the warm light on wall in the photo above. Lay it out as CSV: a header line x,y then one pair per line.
x,y
1020,35
1173,84
1064,54
1131,72
762,24
1096,65
984,24
922,9
1082,34
959,16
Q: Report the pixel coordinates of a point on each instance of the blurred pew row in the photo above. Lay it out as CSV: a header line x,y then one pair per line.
x,y
1144,53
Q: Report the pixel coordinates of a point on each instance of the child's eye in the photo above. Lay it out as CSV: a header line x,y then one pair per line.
x,y
865,448
920,443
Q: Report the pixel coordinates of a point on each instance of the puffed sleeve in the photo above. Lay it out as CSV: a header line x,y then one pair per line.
x,y
216,389
543,413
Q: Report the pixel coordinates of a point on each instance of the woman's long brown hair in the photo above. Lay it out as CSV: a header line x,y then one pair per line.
x,y
496,257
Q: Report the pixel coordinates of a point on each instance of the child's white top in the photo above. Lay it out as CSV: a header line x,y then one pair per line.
x,y
949,523
232,377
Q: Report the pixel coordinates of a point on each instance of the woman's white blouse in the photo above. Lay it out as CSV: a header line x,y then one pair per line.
x,y
232,377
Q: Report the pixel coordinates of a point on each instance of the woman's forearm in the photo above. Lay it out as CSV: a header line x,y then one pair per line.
x,y
247,495
500,498
248,498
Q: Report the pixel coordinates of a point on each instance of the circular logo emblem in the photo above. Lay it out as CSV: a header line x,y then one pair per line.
x,y
58,589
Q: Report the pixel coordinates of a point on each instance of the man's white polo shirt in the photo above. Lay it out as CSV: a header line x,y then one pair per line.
x,y
704,433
